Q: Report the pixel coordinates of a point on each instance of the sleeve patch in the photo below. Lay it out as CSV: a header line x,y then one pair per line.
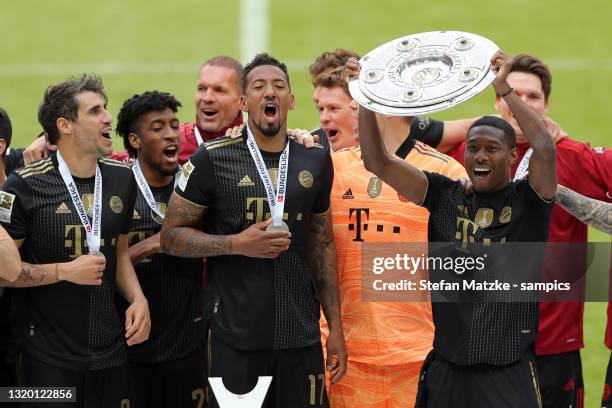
x,y
186,171
6,206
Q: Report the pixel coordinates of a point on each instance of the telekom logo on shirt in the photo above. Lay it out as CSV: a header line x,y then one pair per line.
x,y
253,399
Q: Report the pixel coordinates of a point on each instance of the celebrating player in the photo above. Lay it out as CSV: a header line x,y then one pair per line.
x,y
249,193
169,368
70,215
501,373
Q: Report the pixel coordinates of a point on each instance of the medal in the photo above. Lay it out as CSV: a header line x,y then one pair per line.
x,y
281,226
96,253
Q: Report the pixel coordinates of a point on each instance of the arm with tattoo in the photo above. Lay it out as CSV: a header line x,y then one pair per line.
x,y
323,266
180,236
597,214
322,261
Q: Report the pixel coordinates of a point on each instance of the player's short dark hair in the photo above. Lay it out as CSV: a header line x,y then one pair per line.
x,y
262,59
6,129
60,101
499,123
226,62
533,65
326,71
128,118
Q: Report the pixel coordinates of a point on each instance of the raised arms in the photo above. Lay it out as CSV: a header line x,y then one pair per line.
x,y
542,165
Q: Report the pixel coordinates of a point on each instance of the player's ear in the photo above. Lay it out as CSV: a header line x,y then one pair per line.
x,y
2,147
243,104
134,140
513,155
291,102
498,102
64,126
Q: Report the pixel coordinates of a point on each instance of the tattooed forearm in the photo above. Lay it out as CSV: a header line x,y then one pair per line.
x,y
597,214
33,275
323,265
180,236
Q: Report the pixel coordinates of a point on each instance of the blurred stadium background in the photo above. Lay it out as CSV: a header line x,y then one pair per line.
x,y
139,45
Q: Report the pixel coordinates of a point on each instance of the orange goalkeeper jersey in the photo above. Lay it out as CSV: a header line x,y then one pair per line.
x,y
366,210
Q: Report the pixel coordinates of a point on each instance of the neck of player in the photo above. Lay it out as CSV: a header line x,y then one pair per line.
x,y
394,130
80,165
271,144
154,178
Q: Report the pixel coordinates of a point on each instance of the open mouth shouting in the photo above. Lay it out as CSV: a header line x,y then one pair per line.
x,y
481,172
209,113
171,153
270,112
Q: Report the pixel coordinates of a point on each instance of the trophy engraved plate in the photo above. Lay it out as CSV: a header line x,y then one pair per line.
x,y
424,73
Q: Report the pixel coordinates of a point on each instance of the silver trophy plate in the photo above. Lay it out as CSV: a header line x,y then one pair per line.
x,y
424,73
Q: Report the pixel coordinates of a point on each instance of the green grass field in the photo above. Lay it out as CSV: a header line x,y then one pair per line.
x,y
142,45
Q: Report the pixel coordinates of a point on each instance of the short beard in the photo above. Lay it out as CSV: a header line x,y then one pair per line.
x,y
270,131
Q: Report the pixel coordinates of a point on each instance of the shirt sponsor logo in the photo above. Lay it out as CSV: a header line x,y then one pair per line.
x,y
6,206
305,178
246,182
348,195
63,209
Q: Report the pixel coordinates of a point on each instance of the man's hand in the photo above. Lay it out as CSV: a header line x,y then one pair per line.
x,y
501,63
351,69
256,242
235,131
85,270
554,129
37,150
137,322
466,184
336,355
303,137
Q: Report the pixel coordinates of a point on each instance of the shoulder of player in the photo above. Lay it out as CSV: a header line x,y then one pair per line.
x,y
37,168
422,149
346,155
223,142
112,163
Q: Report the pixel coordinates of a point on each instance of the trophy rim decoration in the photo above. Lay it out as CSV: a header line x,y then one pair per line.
x,y
440,75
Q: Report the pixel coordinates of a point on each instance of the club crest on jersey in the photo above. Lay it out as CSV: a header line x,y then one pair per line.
x,y
374,187
186,171
135,216
6,206
484,217
305,178
506,215
116,204
161,207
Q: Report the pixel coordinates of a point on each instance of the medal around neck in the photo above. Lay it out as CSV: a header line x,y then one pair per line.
x,y
278,226
424,73
96,253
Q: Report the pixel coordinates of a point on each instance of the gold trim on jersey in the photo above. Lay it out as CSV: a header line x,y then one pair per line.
x,y
36,167
191,202
113,162
429,151
221,143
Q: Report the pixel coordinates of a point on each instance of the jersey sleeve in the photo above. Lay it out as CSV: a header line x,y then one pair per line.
x,y
16,205
14,160
130,201
197,179
437,184
321,204
426,130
